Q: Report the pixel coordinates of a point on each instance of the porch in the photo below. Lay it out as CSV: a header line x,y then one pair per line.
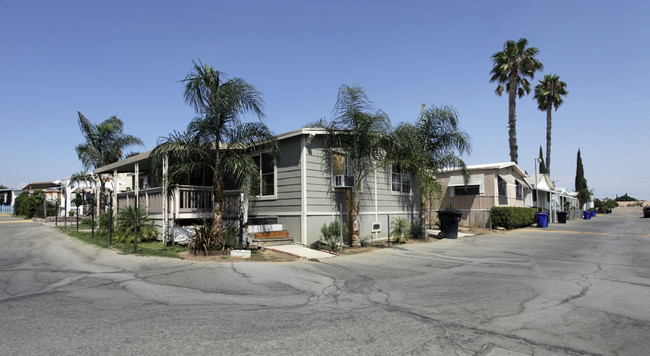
x,y
183,202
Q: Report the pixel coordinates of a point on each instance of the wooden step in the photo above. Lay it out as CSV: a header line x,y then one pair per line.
x,y
271,234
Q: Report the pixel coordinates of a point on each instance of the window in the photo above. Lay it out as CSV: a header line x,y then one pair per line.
x,y
341,165
519,190
469,190
401,181
501,186
267,173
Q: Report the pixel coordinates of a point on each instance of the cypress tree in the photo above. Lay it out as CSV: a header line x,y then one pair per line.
x,y
542,166
581,182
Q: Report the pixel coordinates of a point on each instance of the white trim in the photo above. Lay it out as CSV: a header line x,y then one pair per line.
x,y
325,213
376,203
303,190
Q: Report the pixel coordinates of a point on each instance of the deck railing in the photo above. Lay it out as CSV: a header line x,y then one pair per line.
x,y
150,198
184,199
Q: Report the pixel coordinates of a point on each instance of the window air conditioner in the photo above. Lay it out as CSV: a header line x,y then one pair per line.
x,y
343,181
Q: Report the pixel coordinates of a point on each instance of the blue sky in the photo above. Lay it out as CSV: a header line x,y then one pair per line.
x,y
126,58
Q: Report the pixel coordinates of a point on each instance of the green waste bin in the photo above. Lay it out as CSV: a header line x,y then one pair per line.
x,y
561,217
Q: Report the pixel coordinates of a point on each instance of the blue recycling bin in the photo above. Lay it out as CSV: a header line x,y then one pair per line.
x,y
586,215
593,213
542,219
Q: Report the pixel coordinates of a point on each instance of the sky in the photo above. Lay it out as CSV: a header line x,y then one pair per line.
x,y
126,58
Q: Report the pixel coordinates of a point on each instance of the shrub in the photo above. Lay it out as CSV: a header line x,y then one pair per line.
x,y
205,240
125,225
399,229
364,241
31,205
511,217
417,230
605,204
103,222
330,235
86,223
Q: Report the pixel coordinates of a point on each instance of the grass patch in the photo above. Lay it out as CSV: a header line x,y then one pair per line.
x,y
148,248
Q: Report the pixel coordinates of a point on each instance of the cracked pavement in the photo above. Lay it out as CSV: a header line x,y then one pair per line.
x,y
581,288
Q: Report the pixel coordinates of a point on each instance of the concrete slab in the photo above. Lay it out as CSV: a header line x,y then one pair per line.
x,y
431,232
300,251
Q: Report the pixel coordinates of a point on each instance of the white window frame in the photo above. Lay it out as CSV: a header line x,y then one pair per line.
x,y
275,177
401,176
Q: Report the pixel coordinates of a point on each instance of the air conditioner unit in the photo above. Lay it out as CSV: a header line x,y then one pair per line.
x,y
343,181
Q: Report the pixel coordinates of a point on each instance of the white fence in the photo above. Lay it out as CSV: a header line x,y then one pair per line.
x,y
7,209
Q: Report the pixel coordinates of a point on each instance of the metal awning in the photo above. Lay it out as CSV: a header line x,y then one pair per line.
x,y
507,179
459,181
523,183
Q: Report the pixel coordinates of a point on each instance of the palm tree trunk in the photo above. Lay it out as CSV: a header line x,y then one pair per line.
x,y
548,139
512,119
355,222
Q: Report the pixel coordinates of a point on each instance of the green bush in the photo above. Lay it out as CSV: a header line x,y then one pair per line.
x,y
31,205
330,235
399,229
511,217
125,225
205,240
605,204
86,223
417,230
103,222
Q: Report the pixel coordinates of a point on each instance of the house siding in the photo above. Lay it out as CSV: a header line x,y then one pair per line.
x,y
490,198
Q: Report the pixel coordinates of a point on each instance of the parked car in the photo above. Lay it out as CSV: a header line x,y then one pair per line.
x,y
646,211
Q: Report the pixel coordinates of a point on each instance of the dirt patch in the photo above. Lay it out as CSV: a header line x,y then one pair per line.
x,y
256,256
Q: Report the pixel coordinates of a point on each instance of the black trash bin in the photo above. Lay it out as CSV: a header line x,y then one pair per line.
x,y
561,217
449,220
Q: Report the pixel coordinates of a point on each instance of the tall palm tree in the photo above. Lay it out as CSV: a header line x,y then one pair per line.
x,y
105,142
360,133
512,67
217,141
433,143
549,93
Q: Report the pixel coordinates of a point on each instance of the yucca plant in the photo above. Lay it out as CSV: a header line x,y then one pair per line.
x,y
125,225
206,240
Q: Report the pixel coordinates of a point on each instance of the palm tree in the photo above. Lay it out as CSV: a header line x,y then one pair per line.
x,y
435,142
217,141
104,145
549,93
512,67
360,133
105,142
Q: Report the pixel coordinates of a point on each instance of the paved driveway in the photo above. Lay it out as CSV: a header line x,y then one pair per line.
x,y
577,289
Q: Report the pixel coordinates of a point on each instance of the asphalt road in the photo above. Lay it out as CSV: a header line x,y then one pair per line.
x,y
577,289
